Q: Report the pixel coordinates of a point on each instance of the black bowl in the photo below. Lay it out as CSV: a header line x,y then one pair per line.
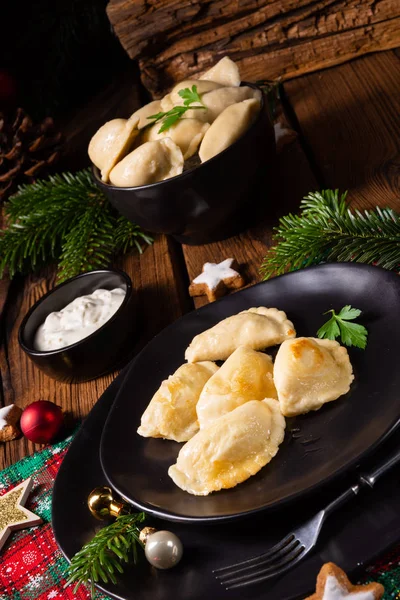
x,y
209,202
97,354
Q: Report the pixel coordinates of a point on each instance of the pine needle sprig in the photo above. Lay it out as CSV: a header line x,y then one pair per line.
x,y
66,219
127,235
89,244
111,548
328,230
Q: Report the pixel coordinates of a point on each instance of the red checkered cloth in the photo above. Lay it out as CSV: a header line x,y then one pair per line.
x,y
31,564
33,568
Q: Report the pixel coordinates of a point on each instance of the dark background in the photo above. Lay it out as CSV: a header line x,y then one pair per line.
x,y
60,53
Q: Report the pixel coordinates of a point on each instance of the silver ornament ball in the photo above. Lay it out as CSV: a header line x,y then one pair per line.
x,y
163,549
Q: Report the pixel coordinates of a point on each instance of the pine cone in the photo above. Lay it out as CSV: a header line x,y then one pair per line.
x,y
26,150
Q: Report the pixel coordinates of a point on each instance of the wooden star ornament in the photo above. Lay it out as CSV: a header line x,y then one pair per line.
x,y
333,584
13,514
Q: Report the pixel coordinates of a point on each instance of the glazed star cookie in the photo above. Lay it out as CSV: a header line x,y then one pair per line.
x,y
9,417
333,584
216,279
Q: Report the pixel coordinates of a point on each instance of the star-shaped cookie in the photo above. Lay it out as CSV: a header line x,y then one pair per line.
x,y
13,515
9,417
216,279
333,584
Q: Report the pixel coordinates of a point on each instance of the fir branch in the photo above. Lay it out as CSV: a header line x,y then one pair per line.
x,y
111,547
89,244
66,219
327,230
127,235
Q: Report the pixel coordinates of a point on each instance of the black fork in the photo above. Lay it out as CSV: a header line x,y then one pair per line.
x,y
295,546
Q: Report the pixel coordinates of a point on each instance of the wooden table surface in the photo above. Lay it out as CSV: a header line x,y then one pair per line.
x,y
347,120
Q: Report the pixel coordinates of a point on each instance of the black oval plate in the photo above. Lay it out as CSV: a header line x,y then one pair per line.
x,y
343,430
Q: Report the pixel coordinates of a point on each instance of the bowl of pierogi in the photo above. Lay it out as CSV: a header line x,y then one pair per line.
x,y
192,163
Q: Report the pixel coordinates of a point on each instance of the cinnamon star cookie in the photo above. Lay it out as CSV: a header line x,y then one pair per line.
x,y
9,417
216,279
333,584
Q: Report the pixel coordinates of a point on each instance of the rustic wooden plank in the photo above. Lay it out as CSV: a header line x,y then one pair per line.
x,y
276,62
196,16
162,298
349,118
174,40
274,23
293,179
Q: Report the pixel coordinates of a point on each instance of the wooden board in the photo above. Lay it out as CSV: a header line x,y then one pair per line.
x,y
174,40
349,120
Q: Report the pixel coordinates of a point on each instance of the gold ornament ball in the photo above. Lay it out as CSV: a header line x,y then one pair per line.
x,y
103,506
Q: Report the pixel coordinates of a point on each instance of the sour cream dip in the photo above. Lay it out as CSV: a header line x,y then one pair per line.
x,y
77,320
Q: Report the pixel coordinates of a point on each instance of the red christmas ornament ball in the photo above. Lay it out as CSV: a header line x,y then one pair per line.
x,y
41,421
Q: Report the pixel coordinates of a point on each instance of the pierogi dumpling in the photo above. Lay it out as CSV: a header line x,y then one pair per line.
x,y
174,99
245,376
228,127
232,449
309,372
148,163
111,142
255,328
171,413
218,100
225,72
186,133
152,108
202,88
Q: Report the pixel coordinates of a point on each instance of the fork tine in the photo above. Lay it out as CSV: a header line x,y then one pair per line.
x,y
262,561
275,549
263,574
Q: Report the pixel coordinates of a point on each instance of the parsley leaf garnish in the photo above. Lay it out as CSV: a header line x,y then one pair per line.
x,y
189,96
351,334
171,117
